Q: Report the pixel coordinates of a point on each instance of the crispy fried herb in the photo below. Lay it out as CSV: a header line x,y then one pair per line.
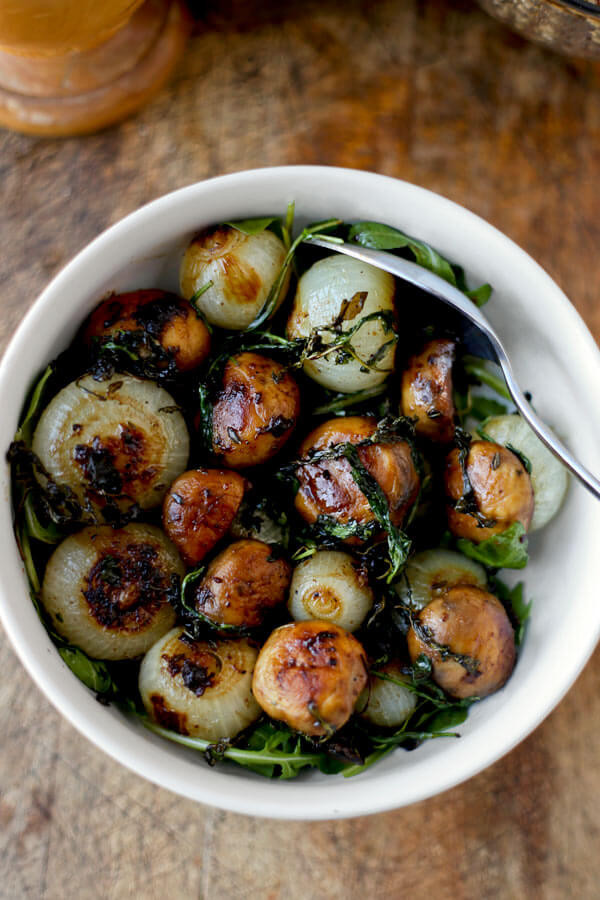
x,y
334,340
328,526
98,466
109,570
138,351
195,677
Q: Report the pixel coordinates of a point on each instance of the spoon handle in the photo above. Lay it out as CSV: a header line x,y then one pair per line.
x,y
447,293
544,433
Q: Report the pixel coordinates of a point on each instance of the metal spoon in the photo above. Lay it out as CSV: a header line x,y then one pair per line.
x,y
476,332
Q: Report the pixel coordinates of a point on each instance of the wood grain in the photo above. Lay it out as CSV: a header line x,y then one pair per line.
x,y
434,92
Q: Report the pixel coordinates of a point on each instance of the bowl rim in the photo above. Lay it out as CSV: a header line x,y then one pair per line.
x,y
290,801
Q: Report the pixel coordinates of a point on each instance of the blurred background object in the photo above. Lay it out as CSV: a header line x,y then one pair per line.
x,y
73,66
571,27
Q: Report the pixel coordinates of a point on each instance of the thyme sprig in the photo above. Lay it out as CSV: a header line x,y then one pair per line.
x,y
272,301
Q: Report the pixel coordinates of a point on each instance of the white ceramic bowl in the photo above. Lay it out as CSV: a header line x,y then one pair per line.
x,y
555,357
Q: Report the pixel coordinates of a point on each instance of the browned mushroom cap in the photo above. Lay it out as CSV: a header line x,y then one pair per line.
x,y
168,319
255,412
199,508
427,390
328,487
468,636
310,674
501,490
242,583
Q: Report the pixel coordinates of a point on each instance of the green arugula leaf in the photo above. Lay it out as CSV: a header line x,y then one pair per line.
x,y
274,752
252,226
34,407
448,718
350,771
484,407
501,551
480,295
383,237
479,371
517,607
49,533
92,672
22,536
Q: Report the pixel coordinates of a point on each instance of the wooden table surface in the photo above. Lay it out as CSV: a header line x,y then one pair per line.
x,y
433,92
